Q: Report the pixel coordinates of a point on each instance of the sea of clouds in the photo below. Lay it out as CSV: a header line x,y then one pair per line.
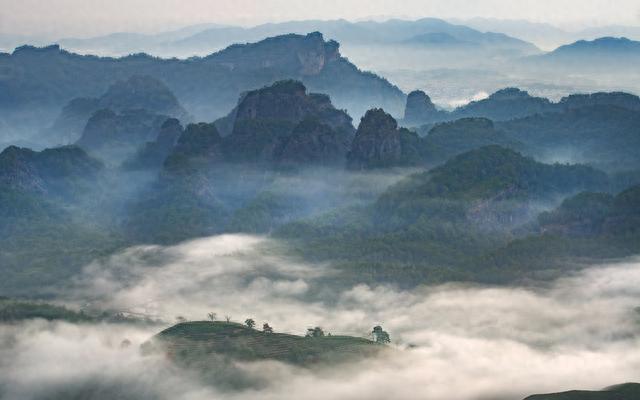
x,y
453,342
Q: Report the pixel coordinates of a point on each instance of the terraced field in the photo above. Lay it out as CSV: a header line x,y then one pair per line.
x,y
194,342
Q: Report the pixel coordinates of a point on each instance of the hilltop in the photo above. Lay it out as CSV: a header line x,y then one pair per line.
x,y
194,342
625,391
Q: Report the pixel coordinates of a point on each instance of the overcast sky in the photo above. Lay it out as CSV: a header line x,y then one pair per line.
x,y
81,18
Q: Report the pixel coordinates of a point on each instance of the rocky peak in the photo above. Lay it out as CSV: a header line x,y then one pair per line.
x,y
285,103
379,143
419,109
301,55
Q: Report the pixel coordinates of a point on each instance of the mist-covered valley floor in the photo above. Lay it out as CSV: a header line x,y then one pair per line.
x,y
452,341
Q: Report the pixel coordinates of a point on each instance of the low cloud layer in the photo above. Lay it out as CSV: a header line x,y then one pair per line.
x,y
454,341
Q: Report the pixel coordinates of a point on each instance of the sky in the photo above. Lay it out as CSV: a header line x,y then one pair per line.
x,y
85,18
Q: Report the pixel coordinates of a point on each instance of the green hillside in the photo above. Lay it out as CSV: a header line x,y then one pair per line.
x,y
193,343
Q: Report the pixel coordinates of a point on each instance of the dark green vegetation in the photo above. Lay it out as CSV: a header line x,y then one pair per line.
x,y
17,310
627,391
195,343
287,162
469,219
472,218
599,129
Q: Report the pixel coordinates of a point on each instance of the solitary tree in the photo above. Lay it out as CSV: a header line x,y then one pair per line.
x,y
180,319
266,328
250,323
315,332
212,316
227,318
380,335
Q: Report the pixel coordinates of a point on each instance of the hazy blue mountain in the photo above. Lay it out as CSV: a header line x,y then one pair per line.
x,y
51,171
45,78
605,54
280,124
204,40
509,103
136,93
115,137
603,135
379,143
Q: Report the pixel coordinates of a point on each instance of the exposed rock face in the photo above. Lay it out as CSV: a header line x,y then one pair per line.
x,y
153,154
313,142
299,55
379,143
116,137
49,171
268,124
421,110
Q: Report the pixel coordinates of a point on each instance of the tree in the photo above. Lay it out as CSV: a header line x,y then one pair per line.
x,y
266,328
212,316
180,319
227,318
315,332
380,335
250,323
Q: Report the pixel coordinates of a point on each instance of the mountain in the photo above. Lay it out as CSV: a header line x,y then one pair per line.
x,y
153,154
379,143
625,391
605,54
276,125
420,110
139,92
115,137
445,223
448,139
208,87
602,135
544,35
283,124
203,41
50,172
509,104
505,104
594,214
617,99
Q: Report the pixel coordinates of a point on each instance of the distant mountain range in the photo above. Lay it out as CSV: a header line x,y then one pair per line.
x,y
603,54
203,39
547,36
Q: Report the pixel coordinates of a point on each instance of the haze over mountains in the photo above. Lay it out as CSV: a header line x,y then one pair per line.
x,y
462,223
